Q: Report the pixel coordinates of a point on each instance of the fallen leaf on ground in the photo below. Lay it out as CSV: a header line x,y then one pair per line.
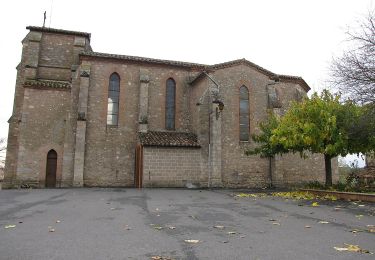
x,y
192,241
371,230
307,226
158,228
352,248
359,216
231,233
219,227
315,204
158,257
172,227
242,236
276,223
226,241
58,221
127,227
272,219
361,205
323,222
340,248
10,226
295,195
50,229
113,208
251,195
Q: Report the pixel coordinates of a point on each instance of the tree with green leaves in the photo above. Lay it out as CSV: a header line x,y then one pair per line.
x,y
321,124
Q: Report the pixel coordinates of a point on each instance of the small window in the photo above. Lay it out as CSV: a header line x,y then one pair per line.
x,y
113,99
244,114
170,104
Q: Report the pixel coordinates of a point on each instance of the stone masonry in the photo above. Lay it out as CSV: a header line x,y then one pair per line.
x,y
61,104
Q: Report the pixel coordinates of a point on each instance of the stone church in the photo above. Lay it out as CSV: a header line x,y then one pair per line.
x,y
84,118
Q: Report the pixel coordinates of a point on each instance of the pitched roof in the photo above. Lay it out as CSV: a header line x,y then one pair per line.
x,y
283,78
52,30
142,59
47,84
198,66
169,139
241,61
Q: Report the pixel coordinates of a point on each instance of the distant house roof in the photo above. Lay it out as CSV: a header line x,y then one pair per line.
x,y
52,30
169,139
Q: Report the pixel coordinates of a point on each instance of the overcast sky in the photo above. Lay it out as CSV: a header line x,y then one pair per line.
x,y
287,37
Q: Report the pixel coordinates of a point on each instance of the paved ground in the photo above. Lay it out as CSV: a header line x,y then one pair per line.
x,y
136,224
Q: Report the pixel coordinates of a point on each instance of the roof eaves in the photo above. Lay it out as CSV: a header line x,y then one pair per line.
x,y
59,31
295,79
239,62
142,59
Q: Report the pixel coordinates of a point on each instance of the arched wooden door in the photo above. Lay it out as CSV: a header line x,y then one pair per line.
x,y
51,169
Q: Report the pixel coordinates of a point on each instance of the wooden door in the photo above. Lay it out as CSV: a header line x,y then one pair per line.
x,y
51,169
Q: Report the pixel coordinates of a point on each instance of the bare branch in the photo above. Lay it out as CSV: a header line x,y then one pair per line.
x,y
353,74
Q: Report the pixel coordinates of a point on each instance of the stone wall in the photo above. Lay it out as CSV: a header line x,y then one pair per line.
x,y
109,152
42,128
291,169
41,118
172,167
238,169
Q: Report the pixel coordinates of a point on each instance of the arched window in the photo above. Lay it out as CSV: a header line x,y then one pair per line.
x,y
244,114
170,104
113,99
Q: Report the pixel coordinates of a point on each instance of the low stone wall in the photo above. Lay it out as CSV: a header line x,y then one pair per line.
x,y
352,196
172,167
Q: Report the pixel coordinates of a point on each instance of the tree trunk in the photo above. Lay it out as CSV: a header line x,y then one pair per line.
x,y
328,167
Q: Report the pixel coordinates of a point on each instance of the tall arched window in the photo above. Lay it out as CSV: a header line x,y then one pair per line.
x,y
113,99
170,104
244,114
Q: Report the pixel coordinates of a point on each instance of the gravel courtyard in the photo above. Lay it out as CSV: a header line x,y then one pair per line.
x,y
178,224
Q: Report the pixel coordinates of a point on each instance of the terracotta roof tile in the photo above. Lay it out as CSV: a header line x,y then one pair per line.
x,y
154,138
